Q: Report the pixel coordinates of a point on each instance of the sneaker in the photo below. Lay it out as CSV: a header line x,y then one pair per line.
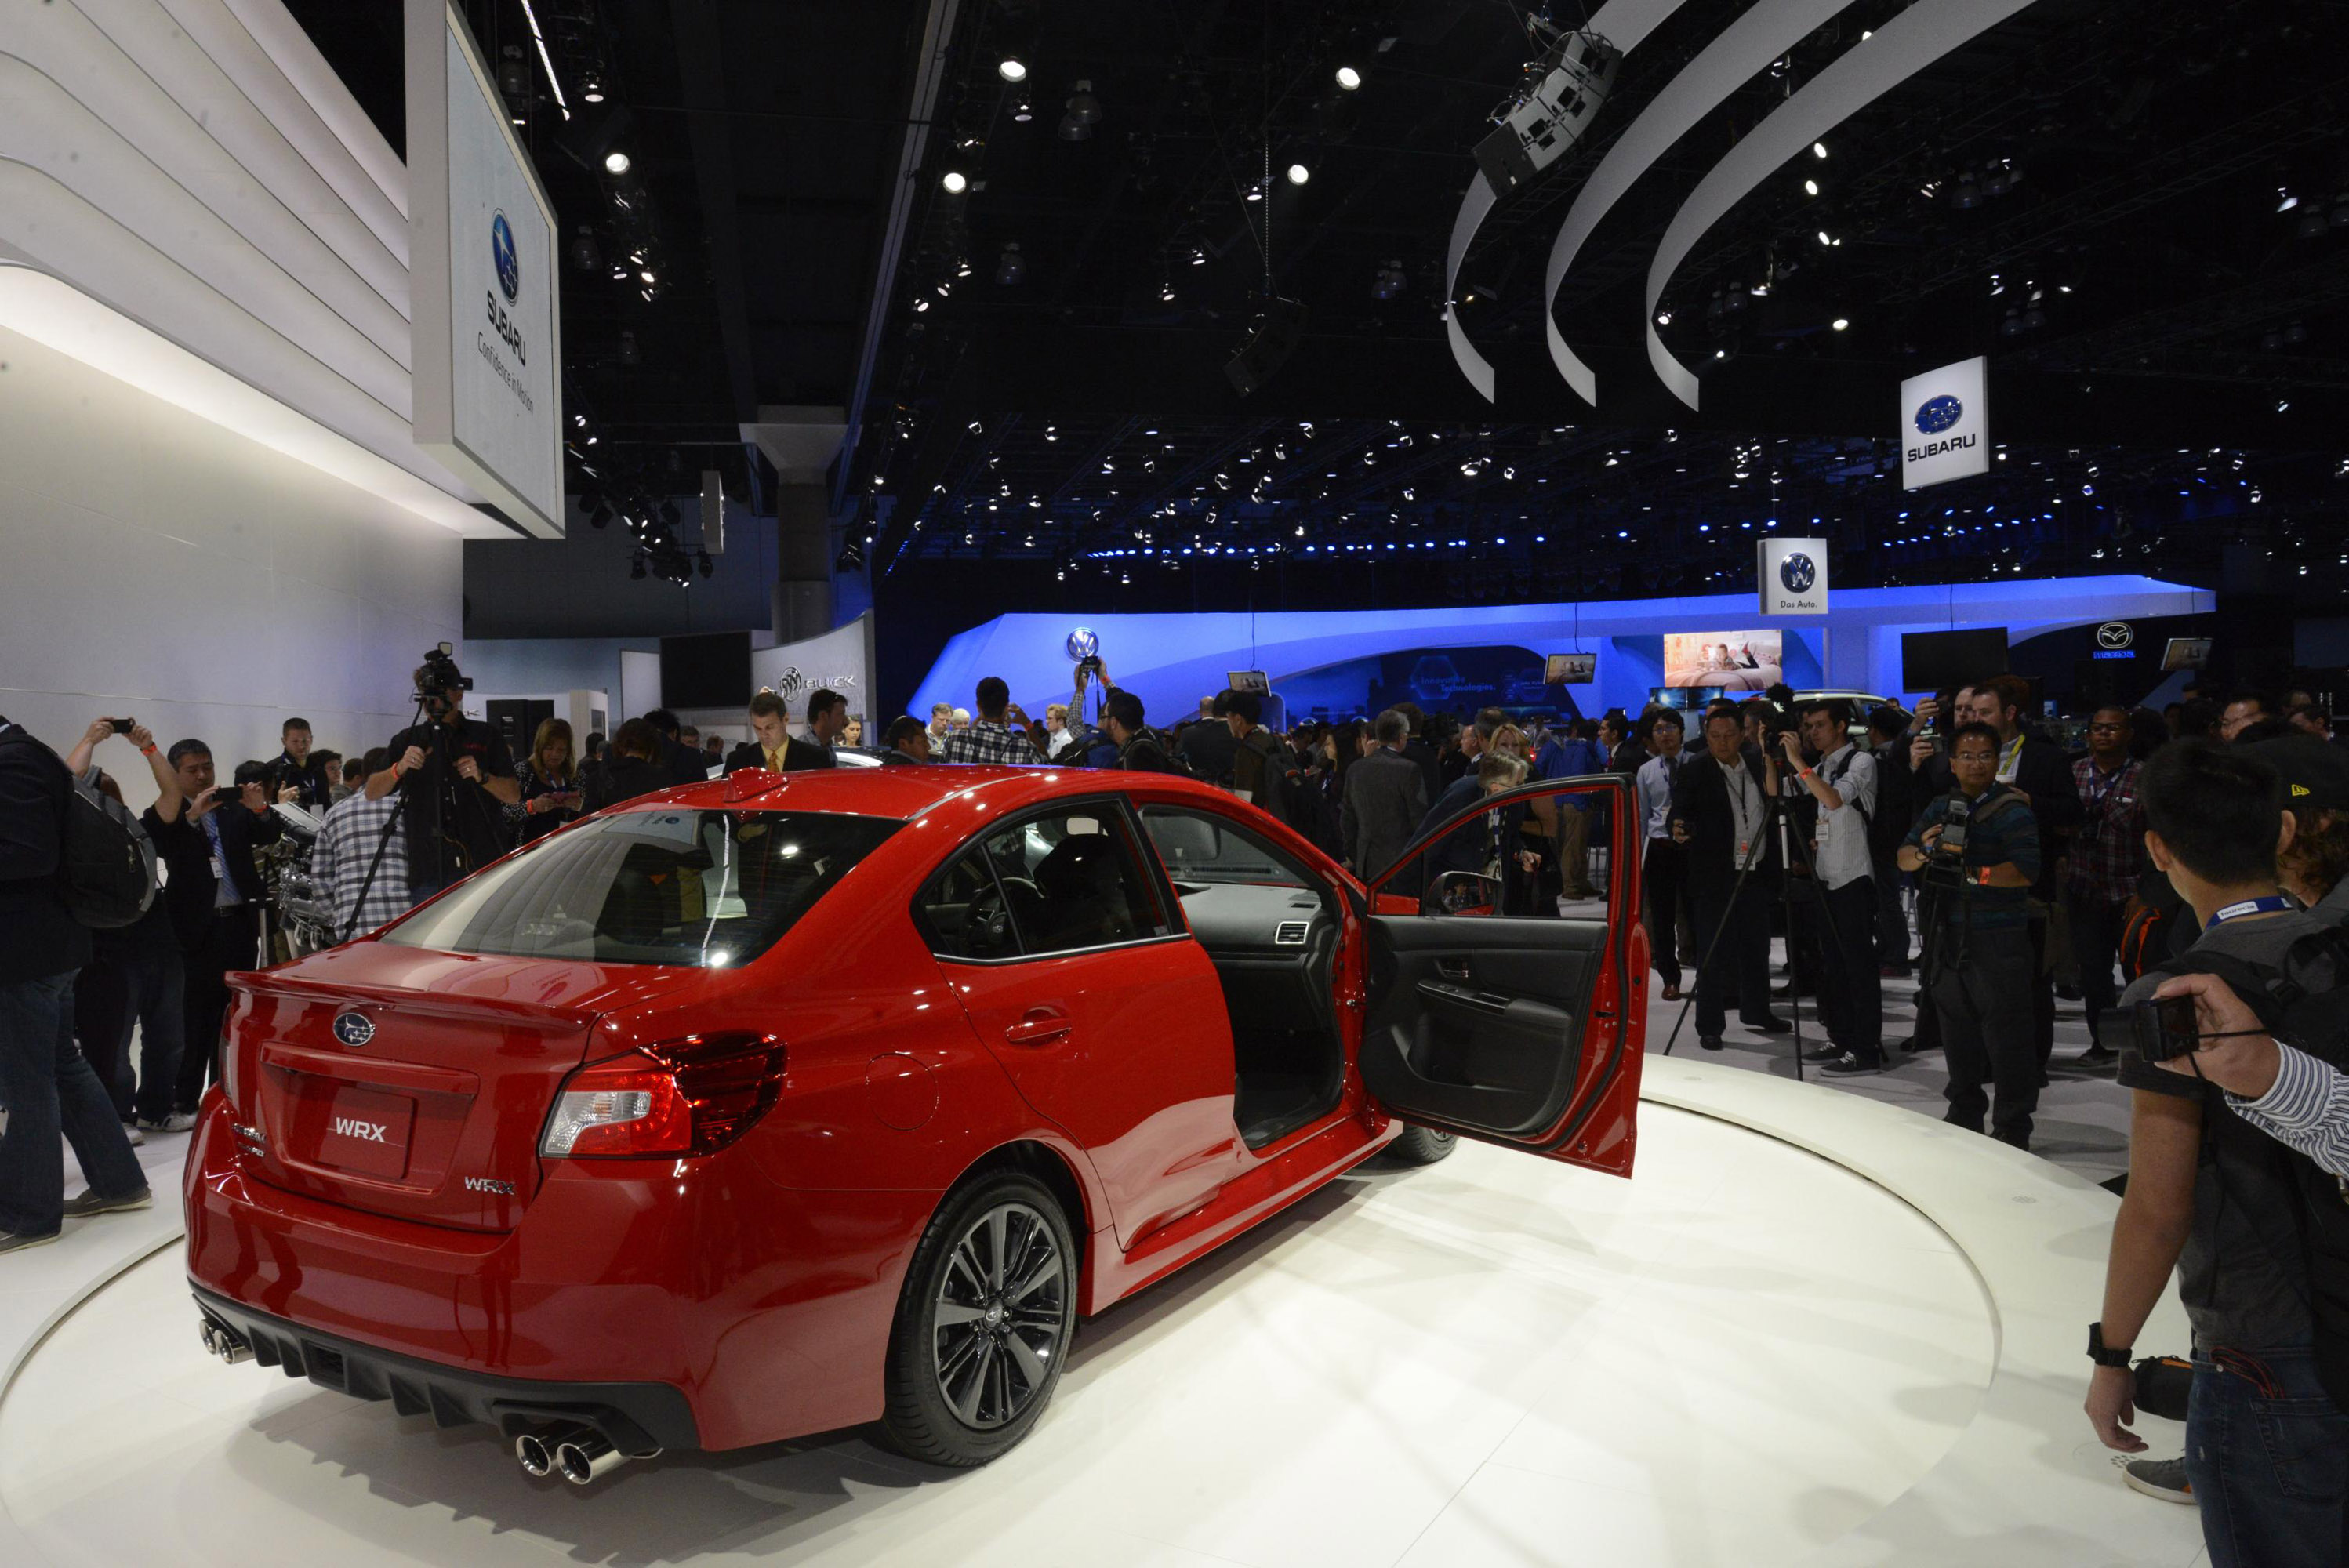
x,y
1827,1053
89,1203
1851,1062
10,1242
1710,1042
178,1121
130,1130
2164,1479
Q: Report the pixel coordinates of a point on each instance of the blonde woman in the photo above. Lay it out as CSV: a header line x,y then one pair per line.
x,y
550,785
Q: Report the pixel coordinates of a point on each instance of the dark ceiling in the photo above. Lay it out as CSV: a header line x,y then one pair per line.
x,y
2089,195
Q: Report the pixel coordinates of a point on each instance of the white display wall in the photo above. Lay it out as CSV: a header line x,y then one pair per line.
x,y
155,565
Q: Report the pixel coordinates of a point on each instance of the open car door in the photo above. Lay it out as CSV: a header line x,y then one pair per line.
x,y
1496,1009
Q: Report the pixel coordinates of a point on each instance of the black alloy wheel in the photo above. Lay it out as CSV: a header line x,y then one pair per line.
x,y
984,1323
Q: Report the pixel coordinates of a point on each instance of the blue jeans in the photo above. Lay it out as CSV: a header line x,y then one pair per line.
x,y
2268,1454
49,1089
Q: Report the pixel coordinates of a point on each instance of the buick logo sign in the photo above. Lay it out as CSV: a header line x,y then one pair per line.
x,y
502,252
1797,572
2114,634
354,1029
1935,414
1083,644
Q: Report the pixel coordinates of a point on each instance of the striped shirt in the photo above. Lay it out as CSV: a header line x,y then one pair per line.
x,y
2306,1108
344,850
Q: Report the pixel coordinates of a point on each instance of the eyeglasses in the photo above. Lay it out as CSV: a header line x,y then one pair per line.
x,y
1973,756
2106,728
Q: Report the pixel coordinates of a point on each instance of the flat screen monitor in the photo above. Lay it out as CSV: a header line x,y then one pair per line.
x,y
1940,661
1248,680
2186,654
1734,661
709,670
1570,669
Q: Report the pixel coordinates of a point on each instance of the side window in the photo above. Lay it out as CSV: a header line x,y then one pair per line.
x,y
1060,882
1545,856
1200,847
964,913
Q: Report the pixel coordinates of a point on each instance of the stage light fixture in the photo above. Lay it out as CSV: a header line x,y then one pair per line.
x,y
1011,267
1348,77
1840,324
1011,68
1299,174
1084,113
618,162
1810,187
956,181
1555,100
1818,150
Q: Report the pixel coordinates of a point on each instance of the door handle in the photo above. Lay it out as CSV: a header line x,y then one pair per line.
x,y
1453,968
1040,1024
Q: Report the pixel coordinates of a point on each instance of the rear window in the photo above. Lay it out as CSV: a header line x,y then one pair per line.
x,y
700,889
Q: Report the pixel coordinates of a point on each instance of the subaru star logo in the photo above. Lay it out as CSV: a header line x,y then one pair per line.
x,y
354,1029
502,251
1935,414
1798,571
1083,644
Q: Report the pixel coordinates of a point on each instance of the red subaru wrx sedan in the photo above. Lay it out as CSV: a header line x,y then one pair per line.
x,y
789,1103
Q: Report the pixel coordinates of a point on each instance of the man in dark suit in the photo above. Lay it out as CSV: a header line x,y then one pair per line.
x,y
681,763
2040,771
212,887
47,1084
908,743
1721,815
1888,727
1386,800
778,751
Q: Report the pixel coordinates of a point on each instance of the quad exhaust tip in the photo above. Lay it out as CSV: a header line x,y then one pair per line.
x,y
226,1343
579,1454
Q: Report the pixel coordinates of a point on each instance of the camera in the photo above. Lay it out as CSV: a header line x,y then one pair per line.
x,y
440,675
2163,1029
122,726
1091,665
1945,861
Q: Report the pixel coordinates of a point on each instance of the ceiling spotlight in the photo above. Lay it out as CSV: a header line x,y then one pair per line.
x,y
1012,68
1841,324
1810,187
616,163
1818,150
1348,77
1299,174
956,181
1024,108
594,91
1085,112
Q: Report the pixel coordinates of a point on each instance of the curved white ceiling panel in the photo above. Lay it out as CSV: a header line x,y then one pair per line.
x,y
323,92
1623,23
1764,32
129,148
1900,48
43,127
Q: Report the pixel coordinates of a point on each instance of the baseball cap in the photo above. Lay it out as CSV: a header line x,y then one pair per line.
x,y
2315,772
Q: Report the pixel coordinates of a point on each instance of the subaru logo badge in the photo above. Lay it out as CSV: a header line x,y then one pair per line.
x,y
1935,414
1798,571
1083,644
502,252
354,1029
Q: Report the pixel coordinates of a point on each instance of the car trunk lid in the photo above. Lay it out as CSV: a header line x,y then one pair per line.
x,y
413,1083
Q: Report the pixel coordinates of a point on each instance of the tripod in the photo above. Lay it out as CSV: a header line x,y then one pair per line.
x,y
436,824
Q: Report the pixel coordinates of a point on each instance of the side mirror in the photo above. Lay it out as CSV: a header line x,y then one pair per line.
x,y
1461,893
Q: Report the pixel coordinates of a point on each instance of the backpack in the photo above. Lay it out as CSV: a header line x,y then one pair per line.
x,y
2306,1002
106,862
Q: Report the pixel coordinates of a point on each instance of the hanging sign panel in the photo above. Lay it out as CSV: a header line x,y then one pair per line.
x,y
1792,573
488,321
1945,424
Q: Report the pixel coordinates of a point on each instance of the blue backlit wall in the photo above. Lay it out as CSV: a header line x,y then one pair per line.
x,y
1171,660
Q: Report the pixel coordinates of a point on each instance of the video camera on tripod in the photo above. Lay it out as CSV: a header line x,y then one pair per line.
x,y
1945,862
439,681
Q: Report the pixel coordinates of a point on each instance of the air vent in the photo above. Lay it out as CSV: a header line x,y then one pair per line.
x,y
1291,933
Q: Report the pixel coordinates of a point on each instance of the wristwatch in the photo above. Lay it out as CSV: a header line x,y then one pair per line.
x,y
2104,1355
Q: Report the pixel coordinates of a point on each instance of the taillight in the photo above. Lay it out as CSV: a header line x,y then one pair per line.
x,y
685,1097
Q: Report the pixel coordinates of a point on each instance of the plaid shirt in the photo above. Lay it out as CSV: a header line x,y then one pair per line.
x,y
988,741
346,850
2108,853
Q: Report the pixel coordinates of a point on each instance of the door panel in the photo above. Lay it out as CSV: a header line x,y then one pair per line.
x,y
1489,1014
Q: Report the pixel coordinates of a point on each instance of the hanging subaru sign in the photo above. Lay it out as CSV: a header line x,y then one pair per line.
x,y
1792,573
1944,425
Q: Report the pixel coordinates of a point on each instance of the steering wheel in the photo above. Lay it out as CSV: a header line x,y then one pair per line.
x,y
986,923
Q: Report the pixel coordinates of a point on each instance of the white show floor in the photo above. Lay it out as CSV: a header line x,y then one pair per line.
x,y
1747,1355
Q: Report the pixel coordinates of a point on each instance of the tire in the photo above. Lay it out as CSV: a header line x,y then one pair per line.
x,y
963,1390
1424,1146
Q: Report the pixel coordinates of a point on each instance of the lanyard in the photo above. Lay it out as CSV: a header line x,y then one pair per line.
x,y
2273,903
2010,760
2102,784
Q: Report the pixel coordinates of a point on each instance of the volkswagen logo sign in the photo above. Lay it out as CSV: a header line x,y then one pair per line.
x,y
1798,571
502,252
1935,414
354,1029
2114,634
1083,645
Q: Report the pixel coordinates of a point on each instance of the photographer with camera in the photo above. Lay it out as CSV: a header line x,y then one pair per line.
x,y
1722,803
1978,850
1842,788
2267,1445
300,770
453,776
